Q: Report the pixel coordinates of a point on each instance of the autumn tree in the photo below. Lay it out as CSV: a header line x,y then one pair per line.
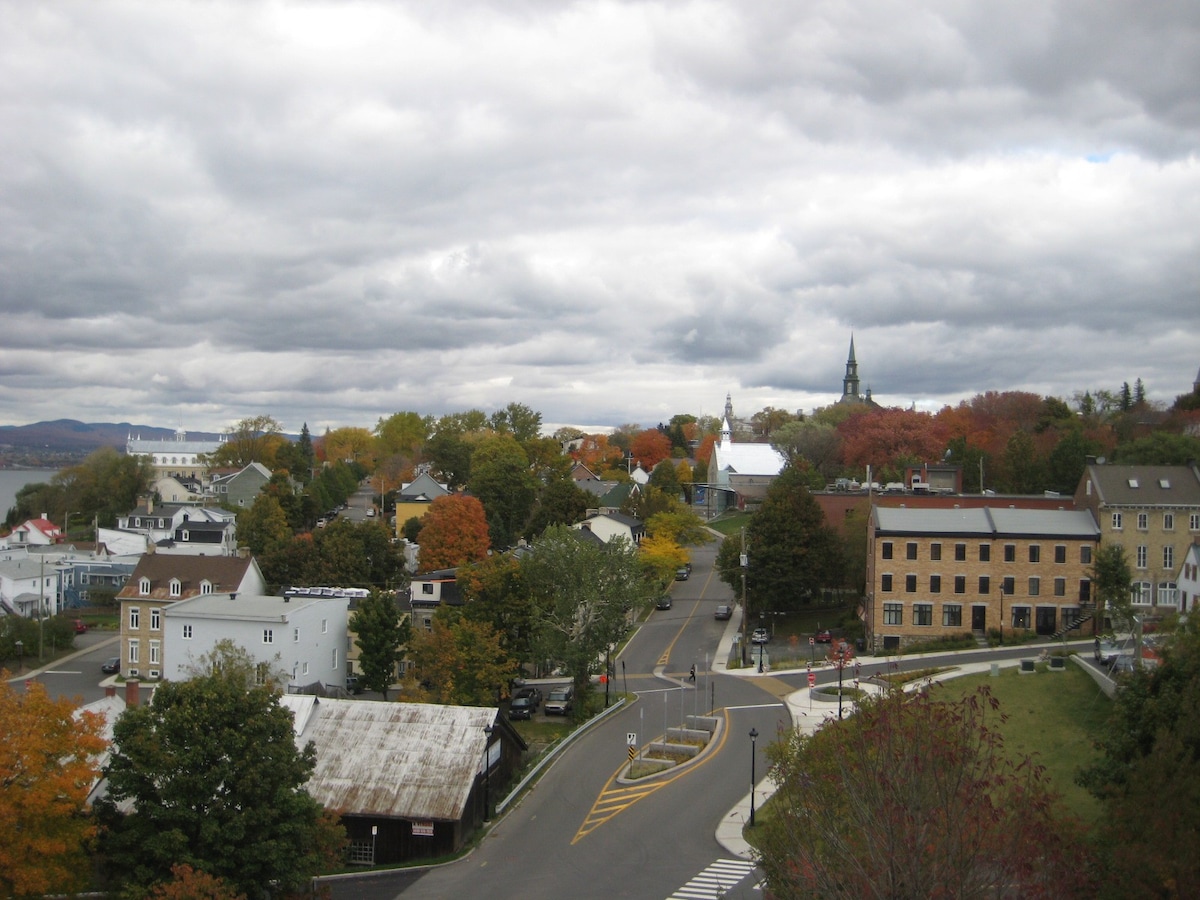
x,y
888,440
583,593
650,447
381,633
402,434
210,773
819,444
262,527
768,420
460,661
914,796
351,445
681,525
454,531
48,765
253,439
193,884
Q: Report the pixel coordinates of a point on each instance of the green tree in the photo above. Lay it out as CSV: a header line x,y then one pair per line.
x,y
48,764
583,592
460,661
450,456
105,485
381,634
519,420
1069,458
253,439
913,796
559,503
665,478
818,443
1162,448
793,554
501,479
1112,580
211,770
262,527
1148,776
403,434
494,592
1025,473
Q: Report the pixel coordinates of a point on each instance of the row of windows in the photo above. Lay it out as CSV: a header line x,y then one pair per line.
x,y
268,633
922,614
1034,552
1141,593
1143,557
135,651
174,586
1143,521
1008,585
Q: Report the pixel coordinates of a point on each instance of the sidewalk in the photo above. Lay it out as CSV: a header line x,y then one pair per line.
x,y
34,673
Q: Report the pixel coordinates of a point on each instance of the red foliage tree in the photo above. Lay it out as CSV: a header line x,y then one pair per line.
x,y
888,439
453,532
650,447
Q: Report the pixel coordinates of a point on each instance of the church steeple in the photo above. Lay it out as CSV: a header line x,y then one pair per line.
x,y
728,408
850,382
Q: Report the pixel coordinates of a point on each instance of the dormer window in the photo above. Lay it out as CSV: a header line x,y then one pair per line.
x,y
206,586
144,587
185,535
175,589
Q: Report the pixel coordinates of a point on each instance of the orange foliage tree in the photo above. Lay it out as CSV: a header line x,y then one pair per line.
x,y
193,884
48,764
650,447
453,532
889,439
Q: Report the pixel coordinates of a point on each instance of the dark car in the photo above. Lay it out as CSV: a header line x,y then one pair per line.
x,y
560,701
664,602
525,703
682,574
724,611
760,636
823,637
111,666
353,685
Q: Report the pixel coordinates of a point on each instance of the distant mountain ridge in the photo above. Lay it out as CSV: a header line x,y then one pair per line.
x,y
70,439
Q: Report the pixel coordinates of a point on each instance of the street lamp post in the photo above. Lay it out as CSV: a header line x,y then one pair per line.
x,y
753,743
488,730
20,646
760,656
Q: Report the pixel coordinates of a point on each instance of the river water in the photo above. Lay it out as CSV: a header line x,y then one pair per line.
x,y
12,480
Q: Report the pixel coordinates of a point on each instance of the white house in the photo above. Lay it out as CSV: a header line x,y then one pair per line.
x,y
607,526
173,528
302,640
1188,580
22,581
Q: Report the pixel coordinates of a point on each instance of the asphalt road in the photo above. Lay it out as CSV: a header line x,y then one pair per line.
x,y
581,833
76,676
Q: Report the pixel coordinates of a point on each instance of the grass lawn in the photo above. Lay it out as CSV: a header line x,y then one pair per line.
x,y
731,523
1054,717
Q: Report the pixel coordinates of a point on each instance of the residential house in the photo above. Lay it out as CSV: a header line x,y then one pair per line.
x,y
610,496
941,572
178,489
1153,512
415,497
429,591
159,581
410,780
83,576
173,528
1188,580
607,526
240,489
23,580
39,532
740,472
178,456
301,642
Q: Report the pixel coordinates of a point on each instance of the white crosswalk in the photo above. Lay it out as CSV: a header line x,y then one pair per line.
x,y
715,881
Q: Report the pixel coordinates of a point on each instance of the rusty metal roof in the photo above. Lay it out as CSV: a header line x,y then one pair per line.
x,y
393,760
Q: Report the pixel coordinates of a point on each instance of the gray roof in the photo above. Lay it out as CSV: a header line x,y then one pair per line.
x,y
1146,485
393,760
243,606
986,522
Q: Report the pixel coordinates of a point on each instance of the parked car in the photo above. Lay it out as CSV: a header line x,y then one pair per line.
x,y
560,701
353,685
524,703
760,636
723,612
111,666
681,574
1108,651
823,637
664,602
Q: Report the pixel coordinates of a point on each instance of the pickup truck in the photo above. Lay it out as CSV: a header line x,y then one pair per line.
x,y
559,702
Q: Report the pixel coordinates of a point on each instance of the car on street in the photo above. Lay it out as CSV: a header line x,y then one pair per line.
x,y
760,636
1108,651
525,703
353,685
80,626
664,602
111,666
723,612
683,573
823,637
560,701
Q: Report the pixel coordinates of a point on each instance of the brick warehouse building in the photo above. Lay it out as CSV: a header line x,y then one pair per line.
x,y
939,572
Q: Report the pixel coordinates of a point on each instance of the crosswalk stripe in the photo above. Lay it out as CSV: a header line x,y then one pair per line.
x,y
715,880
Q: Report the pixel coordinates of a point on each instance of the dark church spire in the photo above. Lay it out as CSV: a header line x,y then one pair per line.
x,y
850,382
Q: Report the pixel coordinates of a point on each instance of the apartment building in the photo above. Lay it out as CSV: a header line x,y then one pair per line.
x,y
1153,512
940,572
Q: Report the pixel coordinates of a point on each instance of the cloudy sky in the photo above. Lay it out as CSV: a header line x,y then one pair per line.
x,y
608,211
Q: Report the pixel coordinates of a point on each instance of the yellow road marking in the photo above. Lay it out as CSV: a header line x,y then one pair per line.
x,y
612,801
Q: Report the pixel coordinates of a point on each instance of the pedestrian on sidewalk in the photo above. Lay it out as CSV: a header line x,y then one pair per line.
x,y
692,675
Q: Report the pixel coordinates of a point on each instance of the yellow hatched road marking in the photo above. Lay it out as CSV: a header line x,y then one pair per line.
x,y
612,801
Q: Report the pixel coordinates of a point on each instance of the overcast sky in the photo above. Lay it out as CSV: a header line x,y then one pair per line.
x,y
608,211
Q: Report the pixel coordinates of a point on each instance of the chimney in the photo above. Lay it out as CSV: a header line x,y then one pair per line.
x,y
133,693
149,504
110,690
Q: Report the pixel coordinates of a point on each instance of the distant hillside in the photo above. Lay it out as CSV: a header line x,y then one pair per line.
x,y
68,440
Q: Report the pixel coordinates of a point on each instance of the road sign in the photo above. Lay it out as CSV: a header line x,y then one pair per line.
x,y
631,738
812,679
812,641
